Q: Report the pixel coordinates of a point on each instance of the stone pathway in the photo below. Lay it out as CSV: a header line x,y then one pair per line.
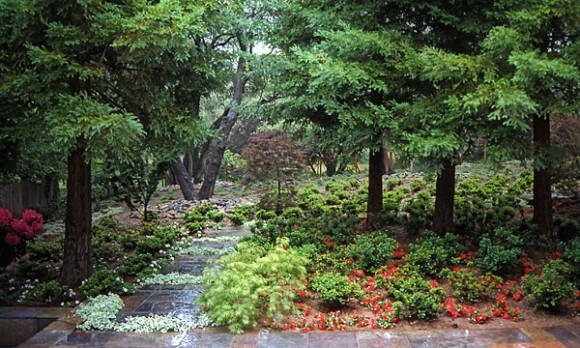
x,y
177,301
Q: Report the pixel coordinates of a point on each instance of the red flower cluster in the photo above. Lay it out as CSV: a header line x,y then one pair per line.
x,y
20,230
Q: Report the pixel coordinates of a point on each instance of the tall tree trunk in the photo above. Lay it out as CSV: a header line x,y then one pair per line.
x,y
543,180
444,195
77,241
183,179
375,195
218,146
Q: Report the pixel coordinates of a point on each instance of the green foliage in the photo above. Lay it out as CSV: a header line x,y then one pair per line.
x,y
392,183
232,165
105,281
43,250
99,313
49,293
572,256
252,283
469,286
420,209
335,288
499,251
420,298
551,286
134,264
371,251
432,253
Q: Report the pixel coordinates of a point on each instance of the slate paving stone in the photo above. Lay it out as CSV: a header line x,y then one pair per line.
x,y
378,339
332,339
565,336
458,339
134,340
282,340
420,339
87,339
206,340
248,340
495,336
48,337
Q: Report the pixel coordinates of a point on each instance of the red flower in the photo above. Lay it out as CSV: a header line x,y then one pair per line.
x,y
30,216
22,228
11,239
518,295
5,217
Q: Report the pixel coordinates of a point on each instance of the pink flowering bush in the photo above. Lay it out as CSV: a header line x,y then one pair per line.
x,y
15,232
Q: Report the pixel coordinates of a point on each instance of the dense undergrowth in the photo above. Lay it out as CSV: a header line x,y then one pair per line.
x,y
402,271
314,266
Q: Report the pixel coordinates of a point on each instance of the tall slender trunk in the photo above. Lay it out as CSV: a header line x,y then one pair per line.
x,y
444,196
542,201
375,195
218,146
78,225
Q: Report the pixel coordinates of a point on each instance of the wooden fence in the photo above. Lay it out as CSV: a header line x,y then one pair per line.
x,y
17,197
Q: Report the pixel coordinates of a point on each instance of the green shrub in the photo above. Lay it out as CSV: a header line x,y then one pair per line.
x,y
420,209
417,184
432,253
469,286
105,281
371,251
572,256
50,293
551,286
251,284
420,299
49,251
335,288
499,251
392,183
567,229
136,263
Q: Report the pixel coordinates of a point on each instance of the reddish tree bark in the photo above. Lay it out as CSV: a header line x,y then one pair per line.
x,y
77,265
444,196
542,201
375,195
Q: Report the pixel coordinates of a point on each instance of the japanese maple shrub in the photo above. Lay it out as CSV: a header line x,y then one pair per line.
x,y
254,282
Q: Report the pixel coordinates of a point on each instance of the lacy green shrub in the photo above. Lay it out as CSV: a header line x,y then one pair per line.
x,y
371,251
335,288
551,286
251,284
105,281
499,251
432,253
419,297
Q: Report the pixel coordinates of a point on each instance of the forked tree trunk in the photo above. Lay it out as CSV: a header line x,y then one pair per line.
x,y
77,265
375,195
218,146
542,201
183,179
444,195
